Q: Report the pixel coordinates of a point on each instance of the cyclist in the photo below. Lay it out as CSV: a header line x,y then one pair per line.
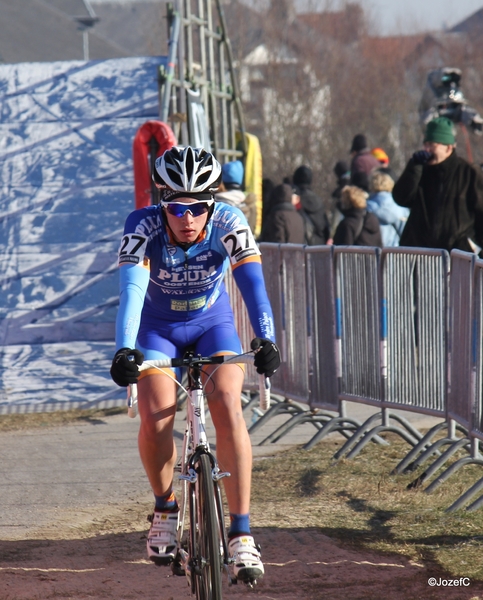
x,y
172,260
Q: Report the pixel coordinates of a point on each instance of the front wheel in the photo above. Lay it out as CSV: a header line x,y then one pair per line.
x,y
205,541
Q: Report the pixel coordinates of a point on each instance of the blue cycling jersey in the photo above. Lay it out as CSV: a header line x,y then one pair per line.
x,y
160,281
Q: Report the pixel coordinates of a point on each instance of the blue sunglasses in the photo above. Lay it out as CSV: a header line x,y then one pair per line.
x,y
179,209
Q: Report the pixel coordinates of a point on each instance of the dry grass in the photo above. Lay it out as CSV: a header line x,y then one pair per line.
x,y
18,422
359,503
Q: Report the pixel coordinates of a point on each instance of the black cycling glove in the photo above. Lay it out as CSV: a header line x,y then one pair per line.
x,y
267,356
421,157
123,370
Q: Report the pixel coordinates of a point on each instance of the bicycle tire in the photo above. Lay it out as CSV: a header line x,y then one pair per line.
x,y
206,575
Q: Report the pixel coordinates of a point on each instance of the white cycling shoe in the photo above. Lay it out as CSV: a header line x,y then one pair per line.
x,y
247,565
161,544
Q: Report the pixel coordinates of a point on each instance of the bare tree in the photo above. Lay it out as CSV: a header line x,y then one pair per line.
x,y
326,79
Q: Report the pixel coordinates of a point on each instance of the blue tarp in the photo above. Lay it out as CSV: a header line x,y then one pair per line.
x,y
66,133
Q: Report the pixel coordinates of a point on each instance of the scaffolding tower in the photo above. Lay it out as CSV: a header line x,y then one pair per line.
x,y
199,95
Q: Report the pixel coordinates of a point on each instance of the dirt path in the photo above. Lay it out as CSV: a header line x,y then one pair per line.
x,y
73,526
110,564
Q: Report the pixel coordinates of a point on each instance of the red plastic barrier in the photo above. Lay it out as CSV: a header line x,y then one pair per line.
x,y
164,139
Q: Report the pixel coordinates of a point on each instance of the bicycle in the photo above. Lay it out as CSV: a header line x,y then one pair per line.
x,y
203,556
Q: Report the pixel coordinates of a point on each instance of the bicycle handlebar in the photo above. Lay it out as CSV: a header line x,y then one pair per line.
x,y
264,382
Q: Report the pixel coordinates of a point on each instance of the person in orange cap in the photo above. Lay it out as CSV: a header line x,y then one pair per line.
x,y
381,156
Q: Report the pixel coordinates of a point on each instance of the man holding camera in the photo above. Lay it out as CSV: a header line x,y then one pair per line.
x,y
444,193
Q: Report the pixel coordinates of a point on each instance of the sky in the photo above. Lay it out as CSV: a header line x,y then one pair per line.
x,y
390,17
413,16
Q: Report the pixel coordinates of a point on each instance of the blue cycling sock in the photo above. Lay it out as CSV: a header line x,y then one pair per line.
x,y
166,503
239,524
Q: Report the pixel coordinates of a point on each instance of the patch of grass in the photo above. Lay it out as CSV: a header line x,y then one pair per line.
x,y
361,504
19,422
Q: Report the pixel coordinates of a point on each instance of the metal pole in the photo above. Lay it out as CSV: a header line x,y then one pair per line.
x,y
172,51
236,94
85,40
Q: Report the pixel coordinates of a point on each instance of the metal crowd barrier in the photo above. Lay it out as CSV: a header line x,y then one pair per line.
x,y
307,289
357,315
243,327
476,433
320,292
290,385
325,362
477,352
414,328
357,333
284,271
415,288
464,401
395,329
379,291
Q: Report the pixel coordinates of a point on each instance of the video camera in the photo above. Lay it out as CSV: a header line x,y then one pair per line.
x,y
443,97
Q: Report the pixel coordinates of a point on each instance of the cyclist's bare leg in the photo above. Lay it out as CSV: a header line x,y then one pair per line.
x,y
157,409
233,445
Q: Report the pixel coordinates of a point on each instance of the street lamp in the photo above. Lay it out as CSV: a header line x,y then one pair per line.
x,y
85,23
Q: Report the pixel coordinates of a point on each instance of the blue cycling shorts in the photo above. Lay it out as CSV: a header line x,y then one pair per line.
x,y
212,332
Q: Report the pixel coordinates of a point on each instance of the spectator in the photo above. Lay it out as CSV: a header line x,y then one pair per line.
x,y
358,227
383,159
231,191
361,180
381,156
362,159
284,224
392,218
343,175
444,193
267,189
312,205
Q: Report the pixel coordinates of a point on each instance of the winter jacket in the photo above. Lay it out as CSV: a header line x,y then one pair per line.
x,y
283,224
365,162
446,202
392,217
314,209
246,203
358,228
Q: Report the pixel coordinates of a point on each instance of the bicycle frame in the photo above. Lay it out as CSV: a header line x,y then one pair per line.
x,y
195,443
193,463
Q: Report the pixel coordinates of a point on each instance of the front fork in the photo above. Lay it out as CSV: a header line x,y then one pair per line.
x,y
189,482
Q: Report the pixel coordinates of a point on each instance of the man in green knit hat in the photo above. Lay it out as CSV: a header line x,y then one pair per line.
x,y
444,193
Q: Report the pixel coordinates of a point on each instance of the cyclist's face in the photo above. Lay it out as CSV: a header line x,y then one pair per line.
x,y
186,228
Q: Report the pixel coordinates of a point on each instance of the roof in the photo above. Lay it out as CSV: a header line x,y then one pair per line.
x,y
245,28
261,55
43,32
345,25
471,25
395,48
139,28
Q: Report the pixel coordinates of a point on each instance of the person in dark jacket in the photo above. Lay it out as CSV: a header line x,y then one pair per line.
x,y
312,205
267,189
361,180
444,193
283,223
358,227
343,175
362,159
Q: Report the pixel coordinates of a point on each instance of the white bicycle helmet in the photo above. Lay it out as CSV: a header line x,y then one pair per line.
x,y
187,169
